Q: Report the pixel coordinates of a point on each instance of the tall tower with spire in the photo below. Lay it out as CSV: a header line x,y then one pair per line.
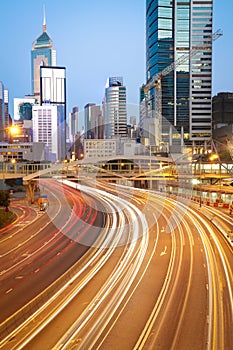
x,y
42,54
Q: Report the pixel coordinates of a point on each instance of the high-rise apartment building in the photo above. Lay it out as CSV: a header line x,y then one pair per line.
x,y
115,109
42,54
173,29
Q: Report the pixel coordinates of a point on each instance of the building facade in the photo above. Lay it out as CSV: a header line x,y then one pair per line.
x,y
174,29
53,93
74,122
28,151
94,126
222,106
42,54
99,149
44,120
5,120
115,110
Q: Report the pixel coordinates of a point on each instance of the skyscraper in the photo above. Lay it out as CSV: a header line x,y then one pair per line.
x,y
173,29
45,129
53,92
42,54
94,128
74,123
115,113
4,113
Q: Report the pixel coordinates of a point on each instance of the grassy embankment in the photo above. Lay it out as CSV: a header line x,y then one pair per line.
x,y
6,217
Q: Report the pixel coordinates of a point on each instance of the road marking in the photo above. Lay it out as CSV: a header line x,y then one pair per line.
x,y
9,290
162,229
164,252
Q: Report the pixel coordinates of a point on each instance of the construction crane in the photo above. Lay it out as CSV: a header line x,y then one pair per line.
x,y
156,79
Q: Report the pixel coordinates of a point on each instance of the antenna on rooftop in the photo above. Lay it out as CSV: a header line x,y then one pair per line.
x,y
44,21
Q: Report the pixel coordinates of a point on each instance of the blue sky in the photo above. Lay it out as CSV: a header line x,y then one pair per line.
x,y
94,39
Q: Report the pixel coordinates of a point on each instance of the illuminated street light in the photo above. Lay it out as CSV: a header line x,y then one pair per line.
x,y
214,157
13,130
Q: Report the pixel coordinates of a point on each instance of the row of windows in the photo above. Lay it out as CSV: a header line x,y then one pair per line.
x,y
203,8
14,146
206,14
45,123
201,25
202,19
201,120
201,127
44,113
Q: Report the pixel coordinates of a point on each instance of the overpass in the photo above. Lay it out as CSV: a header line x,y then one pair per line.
x,y
137,170
110,168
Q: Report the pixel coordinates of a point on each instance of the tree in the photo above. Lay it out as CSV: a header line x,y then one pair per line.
x,y
4,199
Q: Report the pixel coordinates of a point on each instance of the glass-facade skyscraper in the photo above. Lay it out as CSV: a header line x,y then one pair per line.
x,y
42,54
174,29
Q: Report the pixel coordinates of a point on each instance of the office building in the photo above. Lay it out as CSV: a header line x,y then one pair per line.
x,y
99,149
44,120
74,122
73,133
23,118
42,54
222,106
23,108
53,93
26,151
94,126
115,111
173,30
5,120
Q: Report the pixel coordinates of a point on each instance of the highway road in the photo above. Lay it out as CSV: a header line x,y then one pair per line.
x,y
159,276
41,246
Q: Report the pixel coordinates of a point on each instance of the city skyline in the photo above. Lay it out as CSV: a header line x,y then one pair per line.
x,y
108,40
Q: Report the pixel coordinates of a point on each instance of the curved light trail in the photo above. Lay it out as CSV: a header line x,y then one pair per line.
x,y
150,245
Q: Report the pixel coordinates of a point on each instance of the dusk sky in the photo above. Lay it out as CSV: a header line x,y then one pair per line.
x,y
94,39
